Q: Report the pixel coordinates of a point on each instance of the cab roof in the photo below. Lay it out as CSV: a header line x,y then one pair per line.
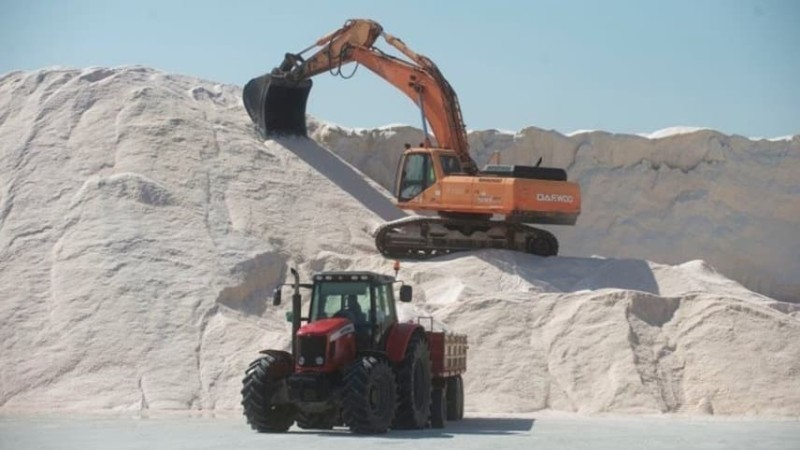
x,y
354,276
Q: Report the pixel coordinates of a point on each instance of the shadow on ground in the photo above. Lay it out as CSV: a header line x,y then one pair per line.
x,y
489,426
342,175
567,274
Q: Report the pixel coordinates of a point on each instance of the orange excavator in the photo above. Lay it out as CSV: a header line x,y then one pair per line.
x,y
490,208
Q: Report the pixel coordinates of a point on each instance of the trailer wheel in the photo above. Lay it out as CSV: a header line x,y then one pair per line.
x,y
414,385
455,398
370,396
438,407
263,386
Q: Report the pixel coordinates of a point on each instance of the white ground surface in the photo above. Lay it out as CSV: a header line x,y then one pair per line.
x,y
143,224
475,432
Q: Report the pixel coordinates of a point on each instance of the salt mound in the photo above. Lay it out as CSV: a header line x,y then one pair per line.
x,y
597,335
143,224
681,194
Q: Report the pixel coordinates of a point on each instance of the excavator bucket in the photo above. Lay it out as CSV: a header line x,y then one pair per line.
x,y
276,105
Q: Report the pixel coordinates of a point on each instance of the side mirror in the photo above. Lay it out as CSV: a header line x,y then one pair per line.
x,y
289,316
405,293
276,299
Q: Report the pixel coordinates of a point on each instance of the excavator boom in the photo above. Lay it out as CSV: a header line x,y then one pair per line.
x,y
276,101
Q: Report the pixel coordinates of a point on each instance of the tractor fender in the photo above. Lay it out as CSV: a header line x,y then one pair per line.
x,y
398,339
282,361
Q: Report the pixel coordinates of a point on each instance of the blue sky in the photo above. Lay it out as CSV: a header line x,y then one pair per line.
x,y
621,66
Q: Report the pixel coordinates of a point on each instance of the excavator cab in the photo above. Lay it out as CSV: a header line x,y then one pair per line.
x,y
277,105
420,168
417,174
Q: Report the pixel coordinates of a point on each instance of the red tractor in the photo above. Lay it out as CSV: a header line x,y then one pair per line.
x,y
354,364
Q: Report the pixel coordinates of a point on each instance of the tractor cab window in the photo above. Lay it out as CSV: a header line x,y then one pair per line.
x,y
417,175
383,304
341,299
450,164
385,315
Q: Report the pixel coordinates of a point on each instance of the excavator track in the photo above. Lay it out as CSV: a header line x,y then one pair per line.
x,y
424,237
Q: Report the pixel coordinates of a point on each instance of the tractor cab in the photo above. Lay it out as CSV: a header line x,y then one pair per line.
x,y
366,299
349,313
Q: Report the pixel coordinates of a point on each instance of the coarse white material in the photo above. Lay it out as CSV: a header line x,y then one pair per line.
x,y
143,225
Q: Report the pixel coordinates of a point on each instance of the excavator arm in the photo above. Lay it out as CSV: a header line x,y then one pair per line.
x,y
358,33
276,101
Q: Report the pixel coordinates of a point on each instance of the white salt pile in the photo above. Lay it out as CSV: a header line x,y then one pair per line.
x,y
143,225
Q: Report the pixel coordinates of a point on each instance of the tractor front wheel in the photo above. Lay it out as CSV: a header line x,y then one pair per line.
x,y
264,393
370,396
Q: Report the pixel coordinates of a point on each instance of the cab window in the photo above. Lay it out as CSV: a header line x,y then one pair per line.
x,y
450,164
385,315
331,298
382,304
417,175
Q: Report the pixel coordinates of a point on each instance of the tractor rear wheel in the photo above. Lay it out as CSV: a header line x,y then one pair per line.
x,y
370,396
455,398
414,385
264,394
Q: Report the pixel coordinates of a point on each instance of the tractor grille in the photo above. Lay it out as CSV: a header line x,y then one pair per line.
x,y
311,348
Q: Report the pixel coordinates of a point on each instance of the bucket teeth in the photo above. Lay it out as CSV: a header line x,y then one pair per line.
x,y
277,106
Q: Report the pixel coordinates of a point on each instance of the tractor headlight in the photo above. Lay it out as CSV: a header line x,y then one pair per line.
x,y
301,360
319,360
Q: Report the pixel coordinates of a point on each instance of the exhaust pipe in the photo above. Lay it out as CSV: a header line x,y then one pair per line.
x,y
296,304
276,105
